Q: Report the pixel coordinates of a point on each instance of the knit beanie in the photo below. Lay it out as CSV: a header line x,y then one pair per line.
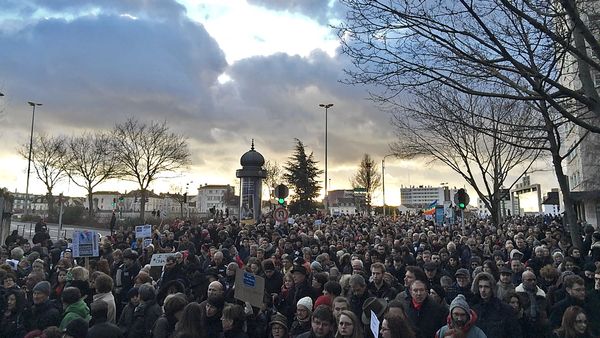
x,y
43,287
460,302
306,302
323,300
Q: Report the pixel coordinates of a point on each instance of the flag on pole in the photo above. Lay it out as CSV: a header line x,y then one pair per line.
x,y
430,210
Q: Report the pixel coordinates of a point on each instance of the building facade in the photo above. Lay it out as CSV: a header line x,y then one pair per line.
x,y
214,196
418,197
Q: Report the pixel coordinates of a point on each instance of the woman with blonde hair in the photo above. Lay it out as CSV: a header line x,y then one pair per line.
x,y
348,325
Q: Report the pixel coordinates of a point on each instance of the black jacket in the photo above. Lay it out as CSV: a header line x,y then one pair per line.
x,y
426,321
105,329
144,317
44,315
497,319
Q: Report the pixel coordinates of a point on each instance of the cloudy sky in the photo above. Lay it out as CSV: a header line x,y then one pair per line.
x,y
219,72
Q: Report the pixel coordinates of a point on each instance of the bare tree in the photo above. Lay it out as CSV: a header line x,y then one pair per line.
x,y
367,177
48,154
145,151
274,175
90,160
518,49
542,53
476,137
177,194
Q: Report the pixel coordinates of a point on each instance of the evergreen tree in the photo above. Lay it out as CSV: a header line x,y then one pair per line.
x,y
301,173
368,178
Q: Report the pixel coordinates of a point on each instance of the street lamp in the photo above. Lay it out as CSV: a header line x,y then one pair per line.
x,y
383,179
33,105
326,106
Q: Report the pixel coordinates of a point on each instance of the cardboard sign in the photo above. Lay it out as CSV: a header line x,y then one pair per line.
x,y
147,241
85,243
143,231
374,324
160,259
249,288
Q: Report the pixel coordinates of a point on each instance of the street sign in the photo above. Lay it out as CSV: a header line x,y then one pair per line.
x,y
280,214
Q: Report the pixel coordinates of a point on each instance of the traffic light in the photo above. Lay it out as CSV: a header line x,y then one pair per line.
x,y
281,192
462,198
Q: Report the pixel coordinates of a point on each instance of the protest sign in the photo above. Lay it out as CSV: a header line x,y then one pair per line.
x,y
156,264
249,288
374,324
160,259
147,241
143,231
85,243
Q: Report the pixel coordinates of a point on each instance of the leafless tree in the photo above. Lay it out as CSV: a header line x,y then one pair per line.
x,y
477,137
541,53
90,160
48,155
518,49
145,151
274,175
367,177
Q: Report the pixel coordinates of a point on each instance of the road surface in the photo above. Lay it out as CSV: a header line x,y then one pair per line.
x,y
27,230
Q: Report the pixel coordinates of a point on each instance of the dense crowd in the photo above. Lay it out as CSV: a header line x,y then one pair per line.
x,y
324,277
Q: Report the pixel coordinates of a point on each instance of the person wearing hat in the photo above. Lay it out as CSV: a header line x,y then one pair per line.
x,y
505,285
43,312
279,326
301,323
461,286
377,305
302,288
432,272
461,321
273,278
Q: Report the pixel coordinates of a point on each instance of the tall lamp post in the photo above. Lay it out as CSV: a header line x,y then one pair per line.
x,y
383,179
326,106
33,105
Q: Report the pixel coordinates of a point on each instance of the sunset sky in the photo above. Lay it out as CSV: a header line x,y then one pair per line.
x,y
220,72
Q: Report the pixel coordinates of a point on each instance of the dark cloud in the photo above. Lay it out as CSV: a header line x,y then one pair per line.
x,y
102,66
146,8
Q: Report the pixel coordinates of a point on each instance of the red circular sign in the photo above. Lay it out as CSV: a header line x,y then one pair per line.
x,y
280,214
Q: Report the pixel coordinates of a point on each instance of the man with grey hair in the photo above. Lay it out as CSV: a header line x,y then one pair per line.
x,y
496,318
534,302
358,294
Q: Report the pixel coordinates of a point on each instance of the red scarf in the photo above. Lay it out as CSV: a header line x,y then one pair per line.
x,y
416,305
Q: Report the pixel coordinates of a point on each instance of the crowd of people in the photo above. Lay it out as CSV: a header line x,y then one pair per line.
x,y
343,276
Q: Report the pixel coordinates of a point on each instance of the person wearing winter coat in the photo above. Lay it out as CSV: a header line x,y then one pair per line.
x,y
461,321
13,320
44,312
74,306
423,313
145,314
173,307
496,318
126,319
100,326
534,302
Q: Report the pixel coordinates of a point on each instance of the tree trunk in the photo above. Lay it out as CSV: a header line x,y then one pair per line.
x,y
90,203
570,219
143,205
50,201
495,211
